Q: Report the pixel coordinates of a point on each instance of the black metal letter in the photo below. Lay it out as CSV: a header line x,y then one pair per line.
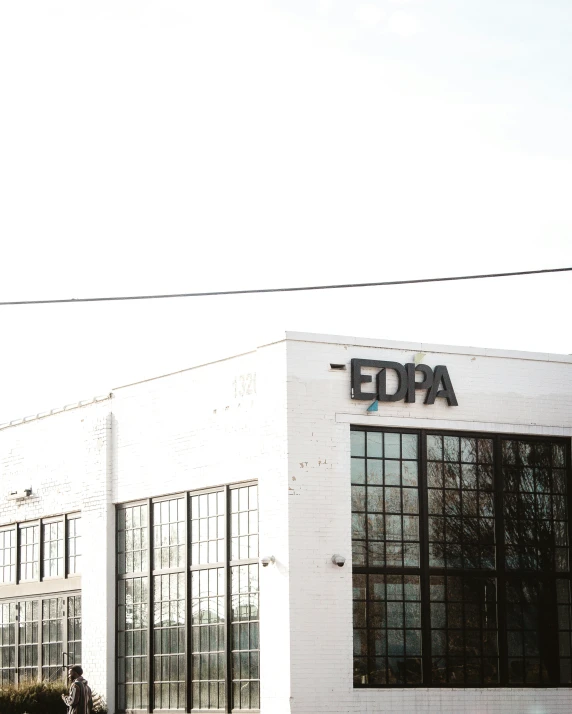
x,y
412,385
382,394
448,393
358,378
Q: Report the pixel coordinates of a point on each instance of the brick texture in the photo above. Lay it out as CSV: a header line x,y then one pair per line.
x,y
279,415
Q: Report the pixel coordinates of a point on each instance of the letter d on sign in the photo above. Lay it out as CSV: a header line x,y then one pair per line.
x,y
382,394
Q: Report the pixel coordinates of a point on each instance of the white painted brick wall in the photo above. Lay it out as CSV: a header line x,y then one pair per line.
x,y
278,415
496,394
217,424
64,458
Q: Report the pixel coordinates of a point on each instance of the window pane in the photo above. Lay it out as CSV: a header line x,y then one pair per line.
x,y
244,635
132,539
207,638
535,508
538,629
207,528
464,630
132,622
460,503
387,629
74,629
53,535
74,546
8,615
8,555
29,552
169,640
28,640
244,523
169,534
388,532
53,612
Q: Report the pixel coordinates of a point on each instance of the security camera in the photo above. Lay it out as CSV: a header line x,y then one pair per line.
x,y
338,560
267,560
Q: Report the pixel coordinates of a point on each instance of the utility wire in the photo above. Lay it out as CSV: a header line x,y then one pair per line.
x,y
287,290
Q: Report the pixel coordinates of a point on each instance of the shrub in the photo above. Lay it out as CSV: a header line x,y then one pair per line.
x,y
40,698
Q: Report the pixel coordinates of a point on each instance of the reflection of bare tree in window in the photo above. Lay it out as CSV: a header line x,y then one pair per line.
x,y
460,502
465,562
535,524
463,629
461,535
535,506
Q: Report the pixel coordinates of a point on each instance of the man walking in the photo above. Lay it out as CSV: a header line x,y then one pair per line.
x,y
79,700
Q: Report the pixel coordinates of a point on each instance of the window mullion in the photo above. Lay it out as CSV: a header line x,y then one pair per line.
x,y
18,559
65,633
500,560
40,638
568,466
65,548
17,645
228,603
150,610
188,611
40,550
424,562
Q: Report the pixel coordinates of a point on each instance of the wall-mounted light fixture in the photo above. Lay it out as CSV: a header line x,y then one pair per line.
x,y
19,495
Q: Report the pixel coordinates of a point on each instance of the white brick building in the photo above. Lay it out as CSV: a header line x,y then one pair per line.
x,y
456,516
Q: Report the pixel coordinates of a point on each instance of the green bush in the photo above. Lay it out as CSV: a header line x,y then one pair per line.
x,y
40,698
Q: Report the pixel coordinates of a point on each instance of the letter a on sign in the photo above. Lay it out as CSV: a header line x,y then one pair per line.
x,y
441,376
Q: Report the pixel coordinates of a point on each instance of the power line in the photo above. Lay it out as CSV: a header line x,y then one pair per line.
x,y
288,290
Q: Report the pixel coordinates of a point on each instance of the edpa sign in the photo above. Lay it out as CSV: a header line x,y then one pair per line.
x,y
432,381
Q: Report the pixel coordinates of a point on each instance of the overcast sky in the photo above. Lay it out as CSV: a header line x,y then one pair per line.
x,y
167,146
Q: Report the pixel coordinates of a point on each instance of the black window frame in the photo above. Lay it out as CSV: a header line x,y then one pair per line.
x,y
17,601
500,573
189,568
38,563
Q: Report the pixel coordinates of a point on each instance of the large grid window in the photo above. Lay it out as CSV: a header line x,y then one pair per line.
x,y
55,541
482,542
7,555
199,649
39,627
